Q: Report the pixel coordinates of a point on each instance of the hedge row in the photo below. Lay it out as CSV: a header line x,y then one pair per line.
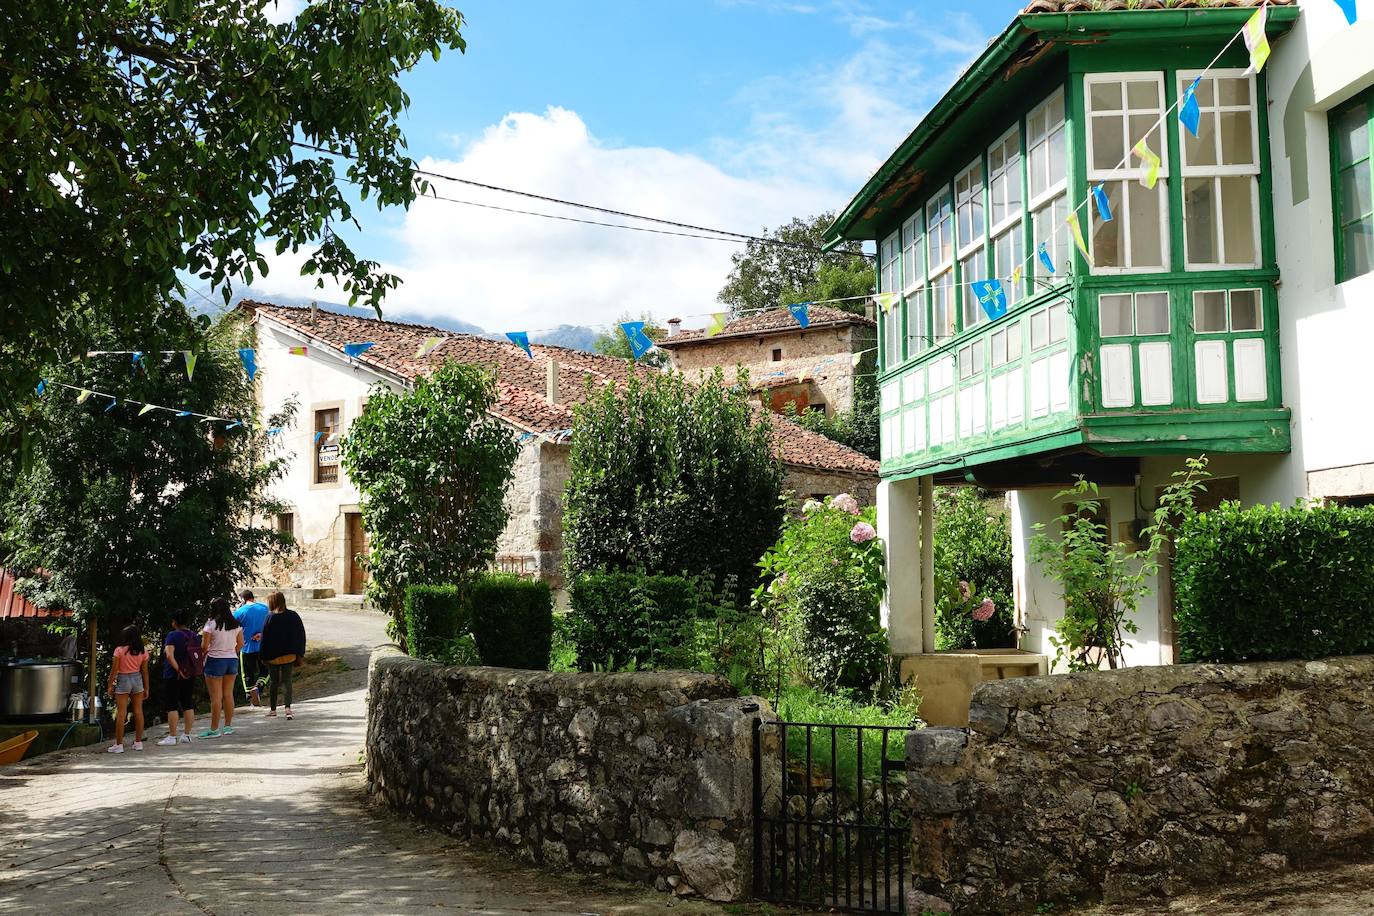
x,y
632,620
510,619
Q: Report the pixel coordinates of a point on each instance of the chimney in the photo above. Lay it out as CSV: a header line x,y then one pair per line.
x,y
674,327
314,310
551,382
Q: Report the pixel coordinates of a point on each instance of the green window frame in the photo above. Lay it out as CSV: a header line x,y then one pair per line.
x,y
1351,128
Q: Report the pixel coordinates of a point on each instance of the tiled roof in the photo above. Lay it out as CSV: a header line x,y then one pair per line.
x,y
1092,6
521,382
773,321
13,604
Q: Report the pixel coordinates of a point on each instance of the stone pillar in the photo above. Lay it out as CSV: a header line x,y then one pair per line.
x,y
899,527
928,563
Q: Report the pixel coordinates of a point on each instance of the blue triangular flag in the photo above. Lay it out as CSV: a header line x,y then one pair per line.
x,y
1348,7
522,340
1044,254
1104,207
991,296
135,358
273,430
236,423
639,341
802,312
1189,115
250,362
42,387
183,413
317,437
358,349
114,402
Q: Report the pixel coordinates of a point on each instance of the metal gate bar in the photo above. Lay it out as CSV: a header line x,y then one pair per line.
x,y
831,858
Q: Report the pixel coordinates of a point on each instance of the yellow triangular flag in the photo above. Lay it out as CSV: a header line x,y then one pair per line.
x,y
190,363
146,408
1152,163
886,300
299,351
857,358
85,393
429,346
1256,40
1078,240
717,324
1016,274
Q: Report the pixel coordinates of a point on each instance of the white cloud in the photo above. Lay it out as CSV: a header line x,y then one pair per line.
x,y
282,10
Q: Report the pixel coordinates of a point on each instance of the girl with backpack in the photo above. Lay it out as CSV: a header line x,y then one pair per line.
x,y
221,639
182,663
128,684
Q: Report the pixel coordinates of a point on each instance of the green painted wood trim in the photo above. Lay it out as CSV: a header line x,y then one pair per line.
x,y
1054,440
1262,430
1365,97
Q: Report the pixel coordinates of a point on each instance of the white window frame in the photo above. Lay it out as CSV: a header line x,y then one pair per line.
x,y
1230,325
1006,169
1135,314
965,249
944,195
1215,172
913,242
890,256
1131,170
1054,239
938,337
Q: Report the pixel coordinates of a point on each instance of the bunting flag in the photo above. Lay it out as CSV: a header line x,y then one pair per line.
x,y
275,430
357,349
136,358
1152,163
521,340
1255,39
1348,7
299,351
717,324
114,402
429,346
802,312
856,359
190,364
83,396
1016,274
1044,254
1189,115
146,408
317,437
183,413
640,343
886,301
1104,206
234,425
991,296
1078,240
250,362
42,387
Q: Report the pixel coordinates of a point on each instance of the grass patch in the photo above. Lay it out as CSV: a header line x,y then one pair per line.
x,y
806,704
319,662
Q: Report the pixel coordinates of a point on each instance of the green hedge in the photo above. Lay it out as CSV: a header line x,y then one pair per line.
x,y
624,620
1267,583
512,621
434,616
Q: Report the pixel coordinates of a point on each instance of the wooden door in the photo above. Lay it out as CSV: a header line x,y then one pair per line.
x,y
1219,490
355,544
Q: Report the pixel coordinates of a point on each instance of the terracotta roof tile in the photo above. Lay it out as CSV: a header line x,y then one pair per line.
x,y
1092,6
521,382
14,604
773,321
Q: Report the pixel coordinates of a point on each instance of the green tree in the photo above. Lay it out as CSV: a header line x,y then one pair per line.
x,y
672,478
614,342
764,276
133,514
432,467
856,428
973,546
143,141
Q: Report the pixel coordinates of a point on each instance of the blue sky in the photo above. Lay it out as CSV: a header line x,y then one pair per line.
x,y
733,113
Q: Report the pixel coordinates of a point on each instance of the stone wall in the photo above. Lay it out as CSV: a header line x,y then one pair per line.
x,y
1144,782
805,483
647,776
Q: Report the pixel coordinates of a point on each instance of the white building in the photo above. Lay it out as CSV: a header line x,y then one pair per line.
x,y
535,395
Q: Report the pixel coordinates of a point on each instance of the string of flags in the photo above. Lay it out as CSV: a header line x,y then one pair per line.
x,y
145,407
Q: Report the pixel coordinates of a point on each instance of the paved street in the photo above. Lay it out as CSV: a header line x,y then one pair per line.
x,y
272,820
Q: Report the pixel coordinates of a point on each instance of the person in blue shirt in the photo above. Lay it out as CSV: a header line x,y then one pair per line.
x,y
252,616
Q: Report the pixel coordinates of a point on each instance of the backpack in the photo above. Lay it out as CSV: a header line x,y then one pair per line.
x,y
195,655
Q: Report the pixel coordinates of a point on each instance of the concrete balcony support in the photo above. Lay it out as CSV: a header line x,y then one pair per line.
x,y
906,523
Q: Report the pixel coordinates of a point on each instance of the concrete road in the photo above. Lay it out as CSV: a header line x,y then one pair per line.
x,y
271,820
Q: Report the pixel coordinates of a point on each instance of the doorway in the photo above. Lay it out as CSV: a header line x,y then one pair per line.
x,y
1219,490
355,545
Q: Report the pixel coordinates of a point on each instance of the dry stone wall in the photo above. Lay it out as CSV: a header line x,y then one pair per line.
x,y
647,776
1143,782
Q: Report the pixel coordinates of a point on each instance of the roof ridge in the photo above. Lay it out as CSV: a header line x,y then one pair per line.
x,y
445,332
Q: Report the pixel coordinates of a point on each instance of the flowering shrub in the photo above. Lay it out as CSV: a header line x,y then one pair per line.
x,y
822,582
972,571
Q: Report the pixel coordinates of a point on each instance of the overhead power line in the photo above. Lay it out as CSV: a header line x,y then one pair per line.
x,y
713,233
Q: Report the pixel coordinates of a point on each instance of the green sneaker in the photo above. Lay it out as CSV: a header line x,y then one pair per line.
x,y
227,730
209,733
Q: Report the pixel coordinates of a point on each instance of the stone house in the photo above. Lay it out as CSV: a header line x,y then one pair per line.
x,y
1176,336
811,368
535,398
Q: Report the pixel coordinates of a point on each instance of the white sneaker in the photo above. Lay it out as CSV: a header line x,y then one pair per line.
x,y
115,749
185,739
168,741
138,745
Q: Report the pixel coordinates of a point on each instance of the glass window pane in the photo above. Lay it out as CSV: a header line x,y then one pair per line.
x,y
1352,134
969,200
1149,237
1205,94
1233,91
965,362
916,331
1209,311
1199,220
1357,248
1152,313
1356,200
980,357
1046,224
1239,220
1109,144
1202,149
1245,310
1040,330
1058,160
1237,144
1142,94
1105,96
942,307
1107,234
974,268
1057,329
999,348
1114,315
1007,249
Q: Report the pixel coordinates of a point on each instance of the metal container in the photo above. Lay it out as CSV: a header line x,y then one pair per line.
x,y
76,707
37,686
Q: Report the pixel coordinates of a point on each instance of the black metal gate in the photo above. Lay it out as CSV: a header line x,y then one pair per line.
x,y
832,822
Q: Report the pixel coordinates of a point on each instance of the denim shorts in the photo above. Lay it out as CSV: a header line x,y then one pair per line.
x,y
221,667
128,683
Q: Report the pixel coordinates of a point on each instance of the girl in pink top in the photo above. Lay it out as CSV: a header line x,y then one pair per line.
x,y
222,638
128,684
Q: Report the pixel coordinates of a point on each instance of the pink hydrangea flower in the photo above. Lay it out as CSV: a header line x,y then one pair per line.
x,y
965,591
810,506
862,532
984,610
846,503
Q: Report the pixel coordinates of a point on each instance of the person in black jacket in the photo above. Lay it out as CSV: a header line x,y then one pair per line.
x,y
283,647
